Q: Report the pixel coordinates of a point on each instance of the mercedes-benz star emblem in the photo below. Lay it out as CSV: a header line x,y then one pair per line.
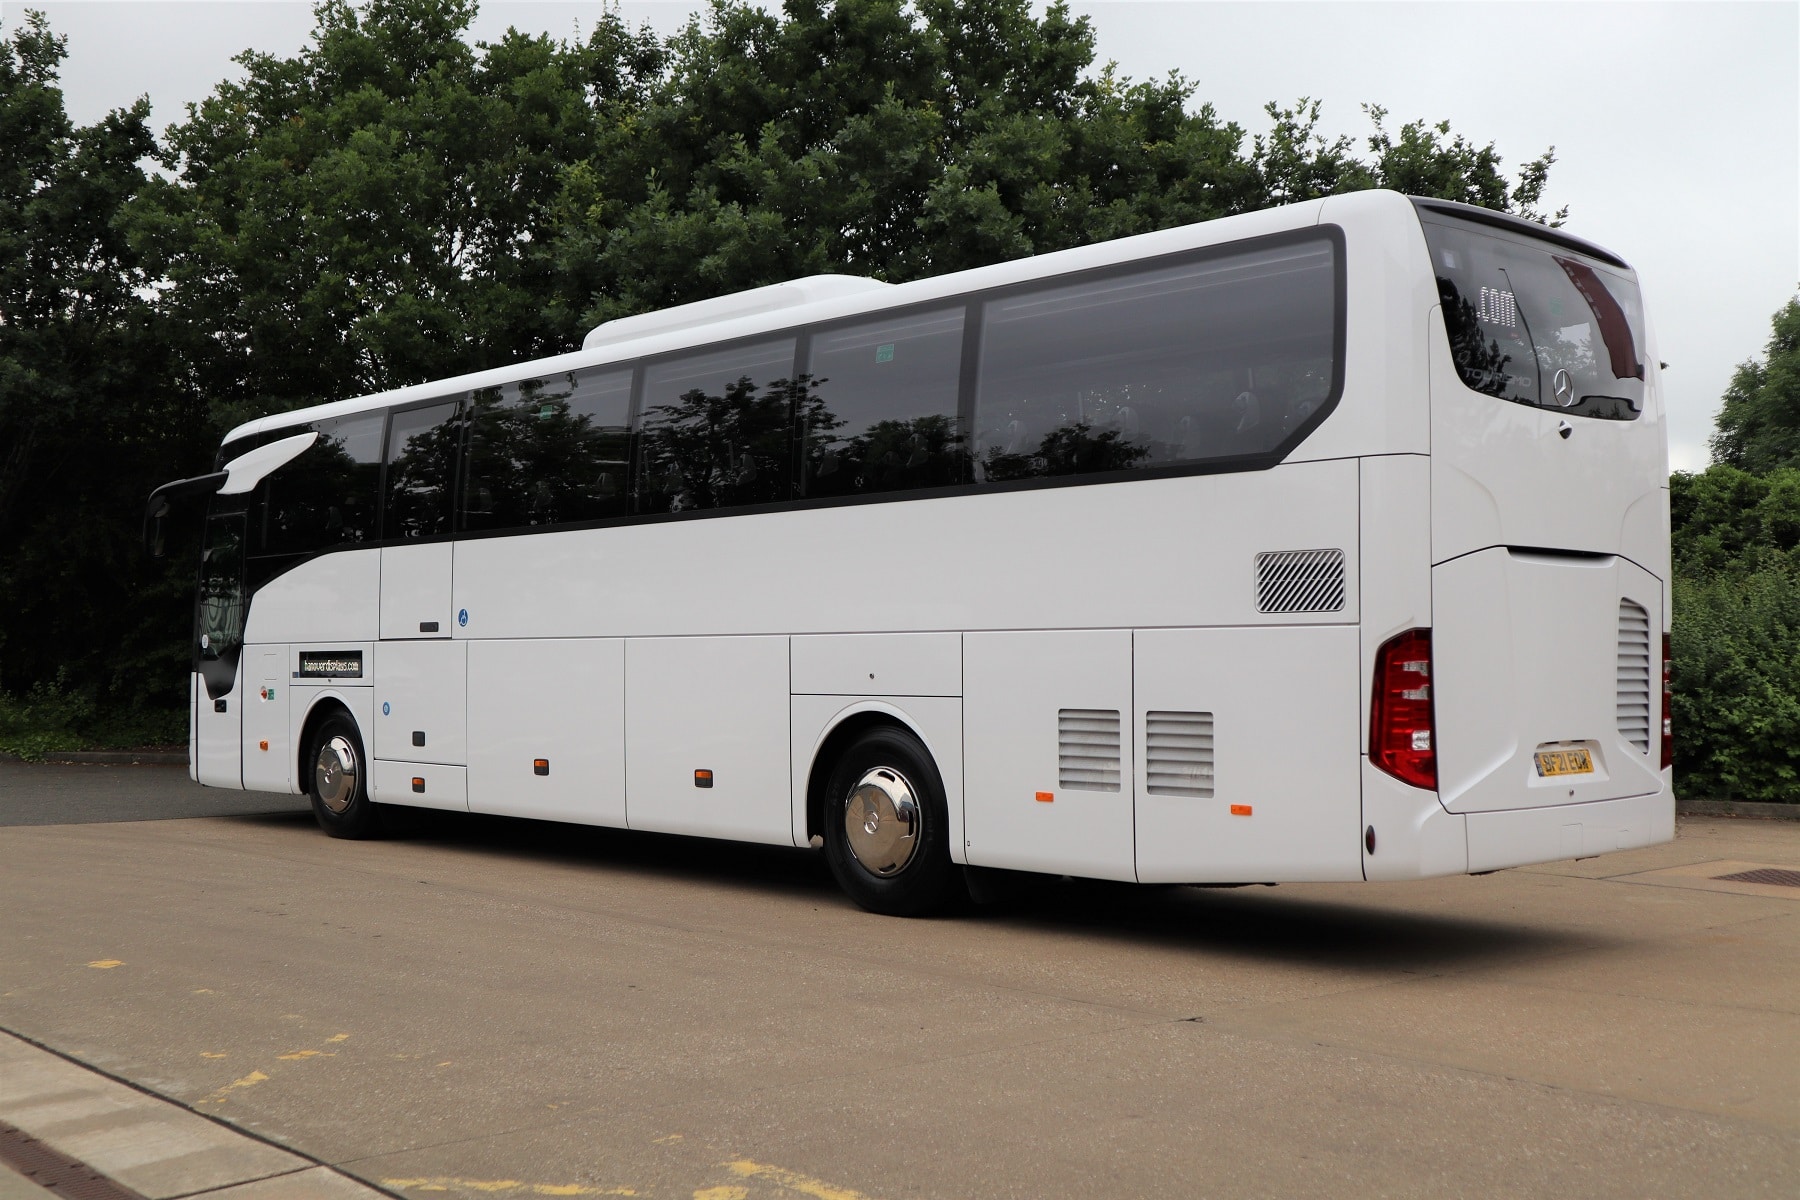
x,y
1565,388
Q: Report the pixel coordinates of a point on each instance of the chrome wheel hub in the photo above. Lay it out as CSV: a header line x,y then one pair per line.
x,y
334,775
881,822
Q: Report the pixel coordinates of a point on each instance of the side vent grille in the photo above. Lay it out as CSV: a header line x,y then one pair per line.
x,y
1178,755
1291,581
1087,747
1634,675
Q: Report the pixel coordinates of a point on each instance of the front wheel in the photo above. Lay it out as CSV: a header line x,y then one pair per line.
x,y
339,785
886,825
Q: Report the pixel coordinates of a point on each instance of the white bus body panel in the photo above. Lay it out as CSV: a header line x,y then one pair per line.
x,y
1395,581
1526,654
415,591
1281,703
878,664
268,744
935,720
1164,552
196,689
437,786
1520,837
1414,836
562,701
219,736
331,598
1384,406
1018,812
421,712
716,704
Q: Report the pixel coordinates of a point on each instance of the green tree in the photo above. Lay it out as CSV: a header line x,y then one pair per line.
x,y
393,204
88,421
1759,424
1736,628
899,141
371,212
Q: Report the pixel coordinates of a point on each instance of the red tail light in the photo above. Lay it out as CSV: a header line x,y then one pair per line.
x,y
1402,734
1668,738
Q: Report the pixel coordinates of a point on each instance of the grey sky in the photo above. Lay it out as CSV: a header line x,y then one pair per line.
x,y
1676,125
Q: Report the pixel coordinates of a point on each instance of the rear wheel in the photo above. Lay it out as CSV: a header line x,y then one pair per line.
x,y
339,780
886,825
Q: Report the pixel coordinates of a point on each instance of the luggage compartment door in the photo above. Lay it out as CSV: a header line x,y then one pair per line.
x,y
1047,752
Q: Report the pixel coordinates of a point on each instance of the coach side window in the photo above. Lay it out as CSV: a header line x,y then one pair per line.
x,y
1208,360
878,405
421,469
714,431
328,496
548,451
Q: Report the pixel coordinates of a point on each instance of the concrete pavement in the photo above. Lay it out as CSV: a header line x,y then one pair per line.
x,y
478,1007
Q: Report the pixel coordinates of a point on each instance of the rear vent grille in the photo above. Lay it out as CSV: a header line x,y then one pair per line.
x,y
1291,581
1178,753
1087,747
1634,675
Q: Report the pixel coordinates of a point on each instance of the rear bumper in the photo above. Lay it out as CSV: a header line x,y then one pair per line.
x,y
1518,837
1416,838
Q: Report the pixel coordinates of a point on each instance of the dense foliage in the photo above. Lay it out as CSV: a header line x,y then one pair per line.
x,y
394,204
1737,588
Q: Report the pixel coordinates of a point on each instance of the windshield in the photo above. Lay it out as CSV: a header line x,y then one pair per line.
x,y
1539,324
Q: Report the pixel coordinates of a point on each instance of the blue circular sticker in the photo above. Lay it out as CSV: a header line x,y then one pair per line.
x,y
462,616
386,708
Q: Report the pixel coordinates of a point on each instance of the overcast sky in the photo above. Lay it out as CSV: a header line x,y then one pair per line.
x,y
1676,125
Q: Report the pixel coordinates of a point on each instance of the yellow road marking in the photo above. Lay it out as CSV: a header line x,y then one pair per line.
x,y
668,1141
210,1054
297,1055
106,964
338,1037
722,1193
250,1080
793,1181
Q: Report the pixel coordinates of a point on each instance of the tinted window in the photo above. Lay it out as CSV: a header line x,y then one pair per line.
x,y
328,496
879,406
1537,324
421,470
1223,358
715,429
548,451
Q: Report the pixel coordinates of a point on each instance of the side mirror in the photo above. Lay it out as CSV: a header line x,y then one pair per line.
x,y
154,512
162,500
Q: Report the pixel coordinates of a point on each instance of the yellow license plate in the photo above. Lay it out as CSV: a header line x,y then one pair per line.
x,y
1565,762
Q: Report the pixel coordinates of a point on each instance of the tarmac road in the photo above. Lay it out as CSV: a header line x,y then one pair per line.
x,y
474,1007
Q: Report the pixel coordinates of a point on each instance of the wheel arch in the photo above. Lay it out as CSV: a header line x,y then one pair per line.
x,y
324,706
843,728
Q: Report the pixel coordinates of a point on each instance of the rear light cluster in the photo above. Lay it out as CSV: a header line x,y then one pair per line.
x,y
1402,734
1668,732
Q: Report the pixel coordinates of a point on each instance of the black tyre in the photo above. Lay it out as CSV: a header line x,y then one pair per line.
x,y
339,780
886,826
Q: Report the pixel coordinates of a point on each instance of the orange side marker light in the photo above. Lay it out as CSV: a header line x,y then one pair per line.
x,y
702,779
263,745
1046,797
1240,810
